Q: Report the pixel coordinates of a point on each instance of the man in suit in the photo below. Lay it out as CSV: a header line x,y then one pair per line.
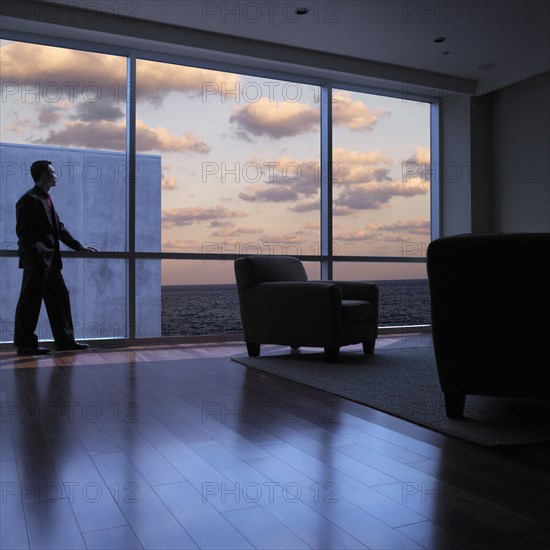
x,y
39,231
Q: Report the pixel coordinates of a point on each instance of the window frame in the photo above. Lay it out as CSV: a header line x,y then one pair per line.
x,y
325,258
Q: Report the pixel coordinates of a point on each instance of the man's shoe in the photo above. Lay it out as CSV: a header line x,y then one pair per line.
x,y
32,351
72,346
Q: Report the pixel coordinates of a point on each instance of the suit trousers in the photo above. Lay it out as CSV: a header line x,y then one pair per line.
x,y
43,283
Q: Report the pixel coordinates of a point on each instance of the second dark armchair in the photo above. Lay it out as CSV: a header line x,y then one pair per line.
x,y
279,305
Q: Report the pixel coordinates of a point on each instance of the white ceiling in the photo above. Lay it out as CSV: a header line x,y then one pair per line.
x,y
512,37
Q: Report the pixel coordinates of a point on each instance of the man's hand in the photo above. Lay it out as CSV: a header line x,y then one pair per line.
x,y
89,249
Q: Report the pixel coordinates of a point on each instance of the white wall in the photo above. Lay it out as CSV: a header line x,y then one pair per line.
x,y
91,200
455,170
521,154
503,141
483,166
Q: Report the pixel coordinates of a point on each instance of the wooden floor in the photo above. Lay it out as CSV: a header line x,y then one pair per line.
x,y
180,447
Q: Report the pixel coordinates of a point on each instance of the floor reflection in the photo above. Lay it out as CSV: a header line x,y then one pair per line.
x,y
42,438
313,494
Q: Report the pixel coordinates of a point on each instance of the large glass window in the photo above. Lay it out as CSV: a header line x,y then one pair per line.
x,y
240,174
239,157
381,199
403,289
226,164
65,106
381,191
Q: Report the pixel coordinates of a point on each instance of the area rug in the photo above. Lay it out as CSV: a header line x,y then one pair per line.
x,y
403,382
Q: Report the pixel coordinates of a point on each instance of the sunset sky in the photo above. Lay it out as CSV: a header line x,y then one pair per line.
x,y
240,155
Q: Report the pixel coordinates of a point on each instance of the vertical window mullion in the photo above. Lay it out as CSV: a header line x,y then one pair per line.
x,y
326,182
131,177
435,172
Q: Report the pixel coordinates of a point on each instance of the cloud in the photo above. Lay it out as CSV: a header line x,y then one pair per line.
x,y
53,74
237,231
302,175
306,206
105,134
338,210
309,206
366,183
357,235
160,139
355,115
275,119
279,193
19,124
363,198
359,167
313,225
153,76
279,242
398,231
168,182
94,135
418,226
180,245
196,214
372,196
101,110
48,116
417,165
285,179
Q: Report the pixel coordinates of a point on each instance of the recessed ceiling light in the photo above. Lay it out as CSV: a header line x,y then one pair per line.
x,y
486,66
440,39
301,11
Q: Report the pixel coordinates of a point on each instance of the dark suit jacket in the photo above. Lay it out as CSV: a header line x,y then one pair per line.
x,y
39,232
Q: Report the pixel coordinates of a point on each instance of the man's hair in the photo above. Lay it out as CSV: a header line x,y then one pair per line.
x,y
38,167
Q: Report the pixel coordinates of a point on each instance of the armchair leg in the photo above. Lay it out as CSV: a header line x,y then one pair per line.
x,y
454,404
331,355
368,347
253,349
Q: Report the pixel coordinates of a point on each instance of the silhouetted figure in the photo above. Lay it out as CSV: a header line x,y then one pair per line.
x,y
39,231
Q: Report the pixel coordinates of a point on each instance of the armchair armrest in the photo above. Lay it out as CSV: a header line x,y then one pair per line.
x,y
358,290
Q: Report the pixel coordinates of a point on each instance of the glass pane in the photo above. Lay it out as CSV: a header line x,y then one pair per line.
x,y
199,298
239,160
10,283
97,288
67,106
381,193
99,291
148,298
404,294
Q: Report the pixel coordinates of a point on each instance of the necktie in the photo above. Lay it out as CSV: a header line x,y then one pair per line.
x,y
49,203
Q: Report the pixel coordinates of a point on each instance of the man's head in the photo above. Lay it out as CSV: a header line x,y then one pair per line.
x,y
43,174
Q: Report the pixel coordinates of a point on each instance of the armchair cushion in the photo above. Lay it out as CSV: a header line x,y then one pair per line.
x,y
354,311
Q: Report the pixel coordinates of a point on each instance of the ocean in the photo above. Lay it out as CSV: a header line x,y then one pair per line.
x,y
205,310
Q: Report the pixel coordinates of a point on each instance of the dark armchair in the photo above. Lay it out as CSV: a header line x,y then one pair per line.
x,y
490,309
280,306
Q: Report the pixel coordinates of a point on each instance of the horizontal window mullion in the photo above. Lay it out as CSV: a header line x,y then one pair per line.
x,y
204,257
